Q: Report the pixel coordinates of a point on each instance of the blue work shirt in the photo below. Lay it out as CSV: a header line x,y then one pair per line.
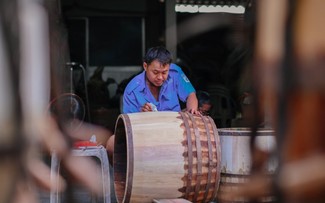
x,y
176,87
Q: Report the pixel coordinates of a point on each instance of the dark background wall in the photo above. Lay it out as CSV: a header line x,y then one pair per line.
x,y
213,49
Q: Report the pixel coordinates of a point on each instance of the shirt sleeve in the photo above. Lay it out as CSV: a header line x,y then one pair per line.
x,y
183,85
129,103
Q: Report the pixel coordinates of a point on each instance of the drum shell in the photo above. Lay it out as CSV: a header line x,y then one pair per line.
x,y
166,155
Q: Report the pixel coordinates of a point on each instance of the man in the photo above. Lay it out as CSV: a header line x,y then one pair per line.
x,y
205,103
160,86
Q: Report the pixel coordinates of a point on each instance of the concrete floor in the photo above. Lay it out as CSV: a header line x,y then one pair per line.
x,y
78,193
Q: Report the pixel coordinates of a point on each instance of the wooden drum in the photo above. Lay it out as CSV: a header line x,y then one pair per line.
x,y
166,155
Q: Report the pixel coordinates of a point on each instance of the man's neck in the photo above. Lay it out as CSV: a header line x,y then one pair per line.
x,y
153,89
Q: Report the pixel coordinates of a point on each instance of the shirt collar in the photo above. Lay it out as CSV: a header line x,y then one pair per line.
x,y
143,88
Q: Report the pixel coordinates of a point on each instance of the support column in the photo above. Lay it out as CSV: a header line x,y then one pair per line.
x,y
171,28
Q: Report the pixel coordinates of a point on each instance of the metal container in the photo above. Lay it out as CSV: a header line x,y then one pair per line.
x,y
236,158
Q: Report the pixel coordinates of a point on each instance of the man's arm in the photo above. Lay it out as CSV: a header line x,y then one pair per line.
x,y
192,104
130,103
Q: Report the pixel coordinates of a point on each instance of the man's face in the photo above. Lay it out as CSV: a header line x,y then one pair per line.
x,y
205,109
156,73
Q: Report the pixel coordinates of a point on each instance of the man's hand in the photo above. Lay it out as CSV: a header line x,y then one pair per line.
x,y
194,111
146,107
192,104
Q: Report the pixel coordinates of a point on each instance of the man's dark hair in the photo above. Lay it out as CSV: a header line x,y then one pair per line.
x,y
203,97
158,53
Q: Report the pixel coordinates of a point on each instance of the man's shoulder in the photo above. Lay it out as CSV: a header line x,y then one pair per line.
x,y
175,68
177,71
136,82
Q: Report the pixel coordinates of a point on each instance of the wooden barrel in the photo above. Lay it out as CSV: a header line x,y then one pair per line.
x,y
166,155
236,158
170,201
